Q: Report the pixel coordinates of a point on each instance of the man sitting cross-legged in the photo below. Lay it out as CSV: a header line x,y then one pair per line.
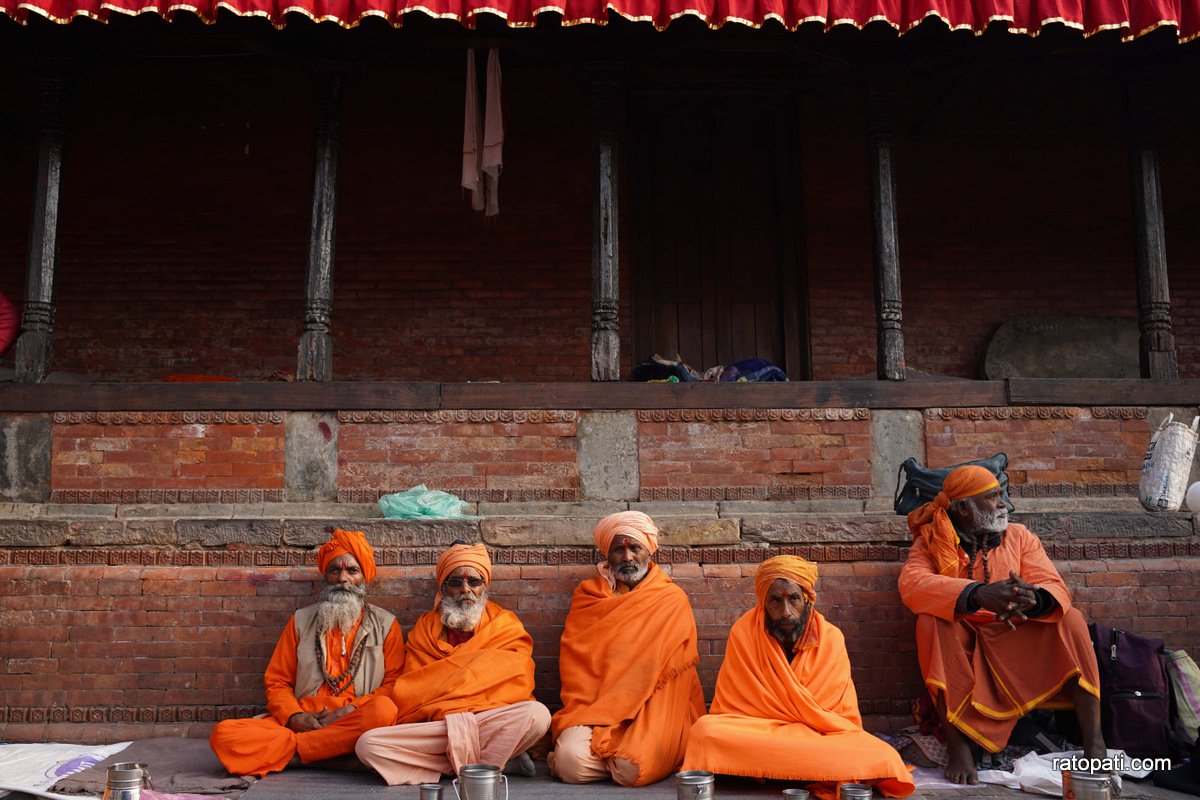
x,y
466,694
785,706
628,658
330,677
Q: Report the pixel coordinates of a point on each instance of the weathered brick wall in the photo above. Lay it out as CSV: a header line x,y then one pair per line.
x,y
110,651
478,455
193,456
1048,446
754,453
160,272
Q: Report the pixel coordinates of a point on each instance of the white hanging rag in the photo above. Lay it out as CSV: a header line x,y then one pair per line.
x,y
493,136
472,178
483,137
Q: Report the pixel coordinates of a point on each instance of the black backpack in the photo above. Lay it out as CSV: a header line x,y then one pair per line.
x,y
1135,692
916,485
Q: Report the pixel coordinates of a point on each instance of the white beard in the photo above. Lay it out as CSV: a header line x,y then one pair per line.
x,y
464,612
985,522
339,607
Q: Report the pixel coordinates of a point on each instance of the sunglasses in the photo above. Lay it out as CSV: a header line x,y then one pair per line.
x,y
456,583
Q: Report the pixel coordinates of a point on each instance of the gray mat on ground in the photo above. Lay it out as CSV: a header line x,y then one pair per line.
x,y
176,766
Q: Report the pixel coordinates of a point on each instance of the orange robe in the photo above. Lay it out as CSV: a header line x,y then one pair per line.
x,y
991,674
628,667
791,721
493,668
263,745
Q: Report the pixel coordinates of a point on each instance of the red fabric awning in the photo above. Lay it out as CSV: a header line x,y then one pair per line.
x,y
1129,18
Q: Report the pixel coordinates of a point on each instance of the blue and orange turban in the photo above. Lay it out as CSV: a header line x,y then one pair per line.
x,y
931,522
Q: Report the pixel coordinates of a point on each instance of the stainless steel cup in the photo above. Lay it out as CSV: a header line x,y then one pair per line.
x,y
854,791
480,782
431,791
795,794
126,780
1087,786
695,784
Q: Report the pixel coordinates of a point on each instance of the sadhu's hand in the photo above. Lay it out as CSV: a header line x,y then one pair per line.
x,y
304,721
330,717
1022,597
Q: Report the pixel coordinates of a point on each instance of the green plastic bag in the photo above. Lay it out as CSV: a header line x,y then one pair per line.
x,y
421,503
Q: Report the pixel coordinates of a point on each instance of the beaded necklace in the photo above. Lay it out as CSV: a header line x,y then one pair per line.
x,y
342,682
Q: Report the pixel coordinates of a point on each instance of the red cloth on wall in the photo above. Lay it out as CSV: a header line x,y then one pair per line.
x,y
10,323
1129,18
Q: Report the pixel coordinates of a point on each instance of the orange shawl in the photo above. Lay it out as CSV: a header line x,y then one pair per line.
x,y
491,669
990,674
628,666
791,721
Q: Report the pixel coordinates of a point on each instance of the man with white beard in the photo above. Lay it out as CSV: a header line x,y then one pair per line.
x,y
466,694
330,677
996,633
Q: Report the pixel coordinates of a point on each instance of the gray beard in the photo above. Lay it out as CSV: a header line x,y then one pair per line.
x,y
339,607
631,574
787,638
464,612
983,522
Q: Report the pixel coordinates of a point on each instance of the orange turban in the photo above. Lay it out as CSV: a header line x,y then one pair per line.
x,y
352,542
792,568
461,555
634,524
931,522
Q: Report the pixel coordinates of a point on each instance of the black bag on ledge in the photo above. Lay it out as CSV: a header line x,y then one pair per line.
x,y
916,485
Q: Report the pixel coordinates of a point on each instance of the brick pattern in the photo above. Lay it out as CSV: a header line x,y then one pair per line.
x,y
122,457
1076,446
697,452
487,459
174,648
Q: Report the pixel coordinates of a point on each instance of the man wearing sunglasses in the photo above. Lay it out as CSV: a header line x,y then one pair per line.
x,y
466,695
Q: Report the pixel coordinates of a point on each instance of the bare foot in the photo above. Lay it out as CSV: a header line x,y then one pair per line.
x,y
960,768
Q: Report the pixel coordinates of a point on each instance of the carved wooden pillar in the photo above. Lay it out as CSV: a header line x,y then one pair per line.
x,y
889,360
34,347
1157,341
604,84
315,360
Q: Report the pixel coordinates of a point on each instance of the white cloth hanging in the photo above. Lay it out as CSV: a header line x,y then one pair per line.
x,y
483,137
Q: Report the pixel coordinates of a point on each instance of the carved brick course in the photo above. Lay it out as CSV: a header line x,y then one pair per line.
x,y
753,414
459,416
167,417
1003,412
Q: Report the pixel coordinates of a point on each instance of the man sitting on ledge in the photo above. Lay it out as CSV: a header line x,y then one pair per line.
x,y
996,633
785,706
466,695
330,677
628,656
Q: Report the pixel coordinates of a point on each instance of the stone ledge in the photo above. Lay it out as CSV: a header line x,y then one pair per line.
x,y
681,524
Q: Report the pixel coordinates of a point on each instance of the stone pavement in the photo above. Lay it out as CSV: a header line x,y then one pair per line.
x,y
324,785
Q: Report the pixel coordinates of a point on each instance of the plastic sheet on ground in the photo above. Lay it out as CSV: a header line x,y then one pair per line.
x,y
34,768
1036,774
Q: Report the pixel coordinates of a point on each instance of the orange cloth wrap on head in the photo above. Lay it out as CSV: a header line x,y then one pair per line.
x,y
352,542
793,568
931,521
461,555
634,524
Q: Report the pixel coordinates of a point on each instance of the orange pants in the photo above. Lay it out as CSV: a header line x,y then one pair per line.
x,y
261,746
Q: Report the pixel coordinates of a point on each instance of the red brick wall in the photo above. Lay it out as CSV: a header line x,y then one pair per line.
x,y
98,456
518,454
1059,445
168,650
186,201
693,454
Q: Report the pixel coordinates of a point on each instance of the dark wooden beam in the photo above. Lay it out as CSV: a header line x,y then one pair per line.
x,y
34,348
889,363
604,88
1157,342
315,359
1098,392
